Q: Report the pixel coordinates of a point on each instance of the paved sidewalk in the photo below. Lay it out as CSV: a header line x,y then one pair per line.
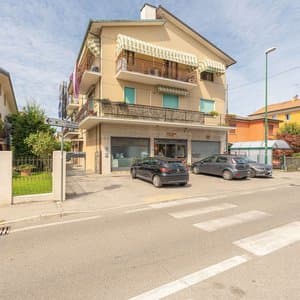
x,y
93,193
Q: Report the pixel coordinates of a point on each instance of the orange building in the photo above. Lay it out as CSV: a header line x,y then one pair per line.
x,y
251,129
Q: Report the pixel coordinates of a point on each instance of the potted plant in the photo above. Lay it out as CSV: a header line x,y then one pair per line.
x,y
214,113
25,170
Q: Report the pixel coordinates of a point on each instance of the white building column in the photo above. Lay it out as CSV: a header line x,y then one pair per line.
x,y
5,178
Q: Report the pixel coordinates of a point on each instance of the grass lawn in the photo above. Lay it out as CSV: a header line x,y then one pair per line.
x,y
37,183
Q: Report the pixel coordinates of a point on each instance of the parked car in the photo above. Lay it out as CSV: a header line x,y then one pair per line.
x,y
258,169
227,166
160,171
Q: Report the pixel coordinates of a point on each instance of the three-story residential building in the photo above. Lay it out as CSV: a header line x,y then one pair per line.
x,y
152,86
8,105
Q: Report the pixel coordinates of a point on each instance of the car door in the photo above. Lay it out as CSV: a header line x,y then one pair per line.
x,y
141,171
205,164
219,165
150,168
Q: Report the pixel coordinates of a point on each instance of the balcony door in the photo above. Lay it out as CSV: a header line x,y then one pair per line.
x,y
129,95
170,101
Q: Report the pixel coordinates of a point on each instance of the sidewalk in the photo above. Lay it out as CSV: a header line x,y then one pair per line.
x,y
94,193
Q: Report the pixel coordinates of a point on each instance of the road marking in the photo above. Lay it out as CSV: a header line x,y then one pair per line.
x,y
201,211
271,240
54,224
138,210
178,202
219,197
245,193
192,279
164,197
216,224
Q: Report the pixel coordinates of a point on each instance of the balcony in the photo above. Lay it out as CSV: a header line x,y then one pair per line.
x,y
153,71
70,133
89,73
72,105
105,111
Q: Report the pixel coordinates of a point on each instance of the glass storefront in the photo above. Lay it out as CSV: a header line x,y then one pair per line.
x,y
170,148
125,150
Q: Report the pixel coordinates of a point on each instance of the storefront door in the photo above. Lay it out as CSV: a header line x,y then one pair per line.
x,y
170,148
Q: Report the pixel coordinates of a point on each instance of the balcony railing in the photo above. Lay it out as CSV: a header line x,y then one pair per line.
x,y
120,110
156,68
85,111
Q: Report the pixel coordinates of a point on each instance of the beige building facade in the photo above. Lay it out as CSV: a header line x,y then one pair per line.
x,y
8,105
147,87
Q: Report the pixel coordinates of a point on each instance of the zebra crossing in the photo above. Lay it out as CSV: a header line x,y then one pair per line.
x,y
259,244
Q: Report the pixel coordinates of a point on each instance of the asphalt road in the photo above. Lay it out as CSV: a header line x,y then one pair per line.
x,y
242,246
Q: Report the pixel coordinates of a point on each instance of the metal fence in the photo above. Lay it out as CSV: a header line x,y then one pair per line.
x,y
32,175
292,163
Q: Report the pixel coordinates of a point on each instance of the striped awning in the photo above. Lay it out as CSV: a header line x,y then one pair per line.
x,y
125,42
94,46
172,91
211,66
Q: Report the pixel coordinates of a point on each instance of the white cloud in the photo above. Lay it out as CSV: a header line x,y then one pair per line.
x,y
39,42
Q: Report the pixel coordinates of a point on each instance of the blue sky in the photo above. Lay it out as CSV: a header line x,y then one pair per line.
x,y
40,40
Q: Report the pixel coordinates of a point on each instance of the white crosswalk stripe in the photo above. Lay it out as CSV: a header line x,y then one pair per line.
x,y
271,240
178,202
220,223
192,279
201,211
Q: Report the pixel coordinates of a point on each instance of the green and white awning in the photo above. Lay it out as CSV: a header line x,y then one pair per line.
x,y
172,91
125,42
94,46
211,66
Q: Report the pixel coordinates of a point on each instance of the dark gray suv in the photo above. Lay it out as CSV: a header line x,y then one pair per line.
x,y
227,166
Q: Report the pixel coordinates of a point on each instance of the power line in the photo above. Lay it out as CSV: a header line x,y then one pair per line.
x,y
259,80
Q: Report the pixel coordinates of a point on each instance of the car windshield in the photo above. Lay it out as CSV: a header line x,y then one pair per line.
x,y
250,160
240,160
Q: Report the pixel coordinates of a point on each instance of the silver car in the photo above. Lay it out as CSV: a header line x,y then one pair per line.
x,y
258,169
227,166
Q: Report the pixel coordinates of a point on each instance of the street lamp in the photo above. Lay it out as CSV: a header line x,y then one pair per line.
x,y
266,104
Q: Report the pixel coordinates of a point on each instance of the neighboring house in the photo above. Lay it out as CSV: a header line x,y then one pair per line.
x,y
248,129
8,106
147,87
287,111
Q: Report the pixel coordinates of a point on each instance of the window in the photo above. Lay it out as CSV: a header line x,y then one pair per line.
x,y
207,76
129,95
0,89
207,106
221,159
4,99
124,151
170,101
271,129
287,117
274,117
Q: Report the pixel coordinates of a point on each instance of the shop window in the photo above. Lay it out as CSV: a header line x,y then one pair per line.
x,y
207,76
129,95
170,101
206,106
125,150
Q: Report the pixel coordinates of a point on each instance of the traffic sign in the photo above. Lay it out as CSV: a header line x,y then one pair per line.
x,y
61,123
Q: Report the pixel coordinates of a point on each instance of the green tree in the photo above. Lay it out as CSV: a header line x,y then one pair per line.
x,y
290,128
30,120
41,144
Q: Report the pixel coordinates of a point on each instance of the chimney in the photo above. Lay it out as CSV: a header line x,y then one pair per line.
x,y
148,12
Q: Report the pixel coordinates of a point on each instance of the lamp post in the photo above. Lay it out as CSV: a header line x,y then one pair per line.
x,y
266,104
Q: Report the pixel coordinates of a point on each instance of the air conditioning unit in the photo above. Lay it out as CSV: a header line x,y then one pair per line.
x,y
94,68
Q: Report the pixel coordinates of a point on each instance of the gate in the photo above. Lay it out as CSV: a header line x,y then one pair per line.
x,y
76,162
31,175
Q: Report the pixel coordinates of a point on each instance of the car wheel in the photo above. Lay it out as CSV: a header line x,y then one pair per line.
x,y
227,175
133,173
252,173
195,170
156,181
